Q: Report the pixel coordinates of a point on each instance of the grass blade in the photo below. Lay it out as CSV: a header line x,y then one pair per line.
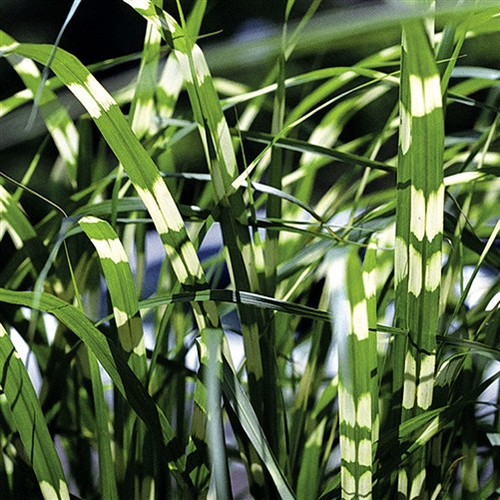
x,y
419,232
348,307
120,283
212,359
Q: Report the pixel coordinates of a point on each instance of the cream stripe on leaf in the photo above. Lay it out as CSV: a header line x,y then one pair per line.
x,y
417,211
425,94
419,229
169,87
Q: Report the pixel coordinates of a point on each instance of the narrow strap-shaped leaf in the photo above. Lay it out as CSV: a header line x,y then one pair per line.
x,y
310,472
211,357
213,127
308,147
142,106
203,96
348,307
419,230
120,283
238,399
30,422
46,69
122,290
370,272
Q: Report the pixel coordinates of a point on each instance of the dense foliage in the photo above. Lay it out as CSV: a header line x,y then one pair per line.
x,y
268,274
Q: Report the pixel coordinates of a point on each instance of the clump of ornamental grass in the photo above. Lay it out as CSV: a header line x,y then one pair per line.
x,y
338,340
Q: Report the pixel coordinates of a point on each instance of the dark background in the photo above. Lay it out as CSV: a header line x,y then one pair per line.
x,y
98,27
